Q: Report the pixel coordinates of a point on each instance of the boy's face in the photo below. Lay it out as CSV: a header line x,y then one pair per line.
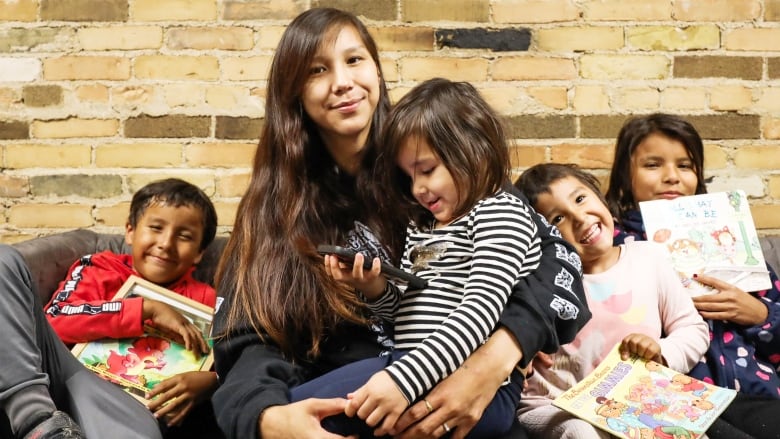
x,y
583,220
166,242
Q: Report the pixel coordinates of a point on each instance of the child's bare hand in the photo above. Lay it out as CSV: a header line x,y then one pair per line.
x,y
376,400
176,396
643,346
167,319
370,282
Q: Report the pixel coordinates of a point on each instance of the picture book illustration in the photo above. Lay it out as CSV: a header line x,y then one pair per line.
x,y
637,398
138,364
710,234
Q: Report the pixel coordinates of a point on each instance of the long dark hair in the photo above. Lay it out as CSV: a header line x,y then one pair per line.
x,y
461,129
620,197
297,198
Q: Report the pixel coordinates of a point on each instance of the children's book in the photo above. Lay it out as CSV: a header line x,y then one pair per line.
x,y
637,398
710,234
138,364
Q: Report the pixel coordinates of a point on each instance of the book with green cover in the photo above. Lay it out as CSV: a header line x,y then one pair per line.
x,y
637,398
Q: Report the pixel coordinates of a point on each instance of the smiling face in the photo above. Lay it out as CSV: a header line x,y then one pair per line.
x,y
583,219
166,242
342,90
432,184
661,169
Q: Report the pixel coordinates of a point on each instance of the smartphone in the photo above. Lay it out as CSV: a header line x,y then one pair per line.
x,y
348,255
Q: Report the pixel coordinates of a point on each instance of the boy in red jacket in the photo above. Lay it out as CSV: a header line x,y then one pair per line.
x,y
171,223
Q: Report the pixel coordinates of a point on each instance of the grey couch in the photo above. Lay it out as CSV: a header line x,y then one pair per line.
x,y
50,257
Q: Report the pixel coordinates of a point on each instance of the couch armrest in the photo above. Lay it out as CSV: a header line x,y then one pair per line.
x,y
771,249
49,257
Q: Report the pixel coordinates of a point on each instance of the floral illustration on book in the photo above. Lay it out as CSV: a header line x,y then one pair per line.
x,y
138,364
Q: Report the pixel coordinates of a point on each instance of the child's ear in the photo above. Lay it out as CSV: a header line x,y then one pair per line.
x,y
199,257
129,234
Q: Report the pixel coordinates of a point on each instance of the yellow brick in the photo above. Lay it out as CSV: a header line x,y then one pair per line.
x,y
717,10
715,157
252,68
766,216
220,154
86,67
113,216
771,128
757,157
73,127
571,39
730,97
14,237
10,96
168,10
774,186
534,11
603,67
50,215
524,156
752,39
18,10
92,93
48,156
206,38
504,100
590,99
269,36
138,155
553,97
203,181
405,38
456,69
185,95
226,212
389,69
632,10
120,37
397,93
225,96
769,100
176,67
587,156
637,98
12,186
684,98
132,97
233,185
523,68
674,38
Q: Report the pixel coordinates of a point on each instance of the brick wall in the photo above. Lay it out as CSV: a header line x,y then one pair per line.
x,y
98,97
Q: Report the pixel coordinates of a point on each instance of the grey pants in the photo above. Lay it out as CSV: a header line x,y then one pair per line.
x,y
32,353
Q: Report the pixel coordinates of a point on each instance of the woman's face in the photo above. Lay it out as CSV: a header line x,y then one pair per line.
x,y
661,169
343,89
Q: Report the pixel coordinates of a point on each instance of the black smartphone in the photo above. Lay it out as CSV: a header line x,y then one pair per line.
x,y
348,255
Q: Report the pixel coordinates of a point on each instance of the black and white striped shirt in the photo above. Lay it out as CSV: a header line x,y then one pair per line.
x,y
471,266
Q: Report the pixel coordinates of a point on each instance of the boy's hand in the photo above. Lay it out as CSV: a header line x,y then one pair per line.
x,y
370,282
177,395
166,318
378,399
642,346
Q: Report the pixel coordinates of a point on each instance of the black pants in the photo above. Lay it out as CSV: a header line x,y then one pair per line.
x,y
748,417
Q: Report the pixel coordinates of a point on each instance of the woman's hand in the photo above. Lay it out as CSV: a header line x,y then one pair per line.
x,y
167,319
377,400
369,282
460,399
642,346
729,304
300,419
176,396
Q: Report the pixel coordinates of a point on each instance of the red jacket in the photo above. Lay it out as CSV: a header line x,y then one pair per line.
x,y
82,310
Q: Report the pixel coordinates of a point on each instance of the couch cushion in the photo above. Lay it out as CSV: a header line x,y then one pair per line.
x,y
49,257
